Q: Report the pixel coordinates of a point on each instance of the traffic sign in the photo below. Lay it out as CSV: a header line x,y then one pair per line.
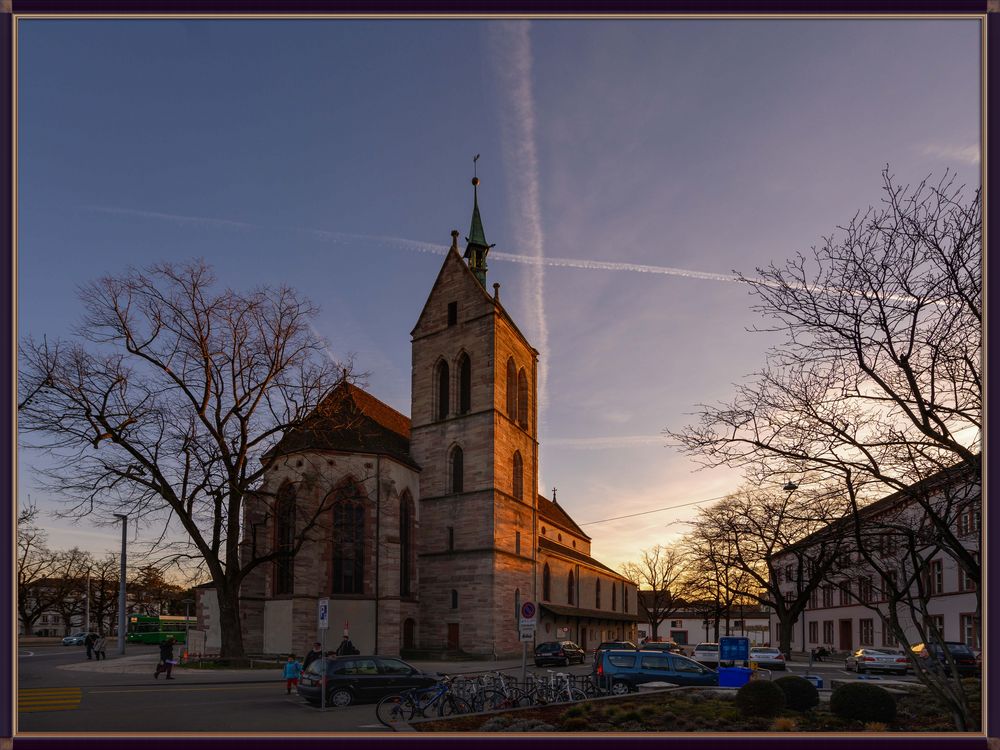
x,y
734,648
527,635
529,612
324,614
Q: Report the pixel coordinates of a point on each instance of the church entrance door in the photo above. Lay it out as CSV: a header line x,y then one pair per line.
x,y
408,633
453,636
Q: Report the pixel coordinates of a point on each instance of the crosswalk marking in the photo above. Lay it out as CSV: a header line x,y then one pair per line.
x,y
30,700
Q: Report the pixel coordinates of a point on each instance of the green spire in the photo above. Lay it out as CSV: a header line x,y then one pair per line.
x,y
478,247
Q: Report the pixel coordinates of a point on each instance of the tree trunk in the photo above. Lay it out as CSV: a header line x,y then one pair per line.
x,y
785,623
229,623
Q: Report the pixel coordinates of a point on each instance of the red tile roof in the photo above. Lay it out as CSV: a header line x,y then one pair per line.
x,y
554,513
351,420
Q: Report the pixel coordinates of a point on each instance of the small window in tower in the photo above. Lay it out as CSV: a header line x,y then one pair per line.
x,y
517,542
451,538
454,599
452,313
559,537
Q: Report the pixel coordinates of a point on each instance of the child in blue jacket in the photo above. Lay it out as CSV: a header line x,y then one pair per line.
x,y
292,671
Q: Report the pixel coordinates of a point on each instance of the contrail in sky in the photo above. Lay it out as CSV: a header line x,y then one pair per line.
x,y
510,45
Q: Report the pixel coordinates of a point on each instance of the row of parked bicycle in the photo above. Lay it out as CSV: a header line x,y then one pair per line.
x,y
488,692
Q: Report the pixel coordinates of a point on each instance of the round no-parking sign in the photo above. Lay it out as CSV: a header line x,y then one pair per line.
x,y
528,611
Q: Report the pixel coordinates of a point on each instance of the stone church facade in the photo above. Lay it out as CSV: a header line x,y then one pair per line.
x,y
426,532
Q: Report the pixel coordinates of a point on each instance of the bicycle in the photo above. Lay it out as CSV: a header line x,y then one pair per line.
x,y
401,707
558,689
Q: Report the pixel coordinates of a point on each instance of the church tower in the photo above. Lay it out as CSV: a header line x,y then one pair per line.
x,y
474,435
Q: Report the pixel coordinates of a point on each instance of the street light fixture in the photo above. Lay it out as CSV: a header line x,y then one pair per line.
x,y
121,586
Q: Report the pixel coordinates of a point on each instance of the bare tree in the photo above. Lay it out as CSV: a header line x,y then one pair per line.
x,y
656,575
877,385
104,573
68,586
167,405
34,571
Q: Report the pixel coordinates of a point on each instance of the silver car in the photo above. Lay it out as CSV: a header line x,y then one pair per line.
x,y
707,654
870,660
76,639
768,658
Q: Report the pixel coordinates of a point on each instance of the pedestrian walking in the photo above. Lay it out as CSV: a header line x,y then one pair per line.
x,y
346,648
99,645
292,671
166,658
313,655
88,641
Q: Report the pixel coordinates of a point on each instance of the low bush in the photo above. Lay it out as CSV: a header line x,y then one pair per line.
x,y
784,724
760,698
800,694
860,701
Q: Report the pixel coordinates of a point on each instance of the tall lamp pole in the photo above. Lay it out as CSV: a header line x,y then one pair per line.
x,y
121,586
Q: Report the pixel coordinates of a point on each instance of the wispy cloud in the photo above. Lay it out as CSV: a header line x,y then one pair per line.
x,y
510,46
965,154
178,218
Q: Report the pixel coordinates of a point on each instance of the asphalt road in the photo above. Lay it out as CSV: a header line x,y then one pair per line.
x,y
54,699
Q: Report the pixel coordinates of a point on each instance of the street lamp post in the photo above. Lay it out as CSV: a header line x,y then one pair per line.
x,y
187,621
121,586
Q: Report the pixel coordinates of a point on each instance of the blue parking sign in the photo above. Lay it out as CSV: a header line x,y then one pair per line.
x,y
734,648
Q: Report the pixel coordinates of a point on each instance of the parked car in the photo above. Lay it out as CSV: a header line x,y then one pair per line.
x,y
359,679
870,660
707,654
76,639
965,658
558,652
660,646
768,658
606,645
623,671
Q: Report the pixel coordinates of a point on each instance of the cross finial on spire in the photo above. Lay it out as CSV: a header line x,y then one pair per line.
x,y
554,495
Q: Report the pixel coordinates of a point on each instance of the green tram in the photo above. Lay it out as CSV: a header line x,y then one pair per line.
x,y
156,629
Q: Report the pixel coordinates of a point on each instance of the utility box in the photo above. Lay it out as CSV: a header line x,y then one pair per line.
x,y
734,676
815,679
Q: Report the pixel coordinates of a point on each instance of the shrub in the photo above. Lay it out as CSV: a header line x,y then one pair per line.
x,y
574,711
860,701
628,716
876,726
760,698
783,724
800,694
575,724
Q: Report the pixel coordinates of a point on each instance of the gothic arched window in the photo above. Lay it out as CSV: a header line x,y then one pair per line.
x,y
284,539
457,470
614,597
511,389
517,607
454,599
625,597
546,583
522,398
464,384
518,474
570,589
597,595
405,544
348,539
441,374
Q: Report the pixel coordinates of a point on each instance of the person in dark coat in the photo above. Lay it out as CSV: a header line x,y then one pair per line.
x,y
346,648
166,658
88,641
313,655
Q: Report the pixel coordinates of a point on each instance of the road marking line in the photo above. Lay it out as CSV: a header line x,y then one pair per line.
x,y
47,691
30,700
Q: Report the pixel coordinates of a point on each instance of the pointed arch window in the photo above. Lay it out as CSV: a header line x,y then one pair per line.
x,y
464,384
284,540
625,597
522,398
348,539
517,607
406,544
518,474
442,392
546,583
454,599
511,389
570,589
457,470
614,597
597,595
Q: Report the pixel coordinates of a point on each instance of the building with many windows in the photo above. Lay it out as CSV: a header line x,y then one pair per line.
x,y
905,563
426,532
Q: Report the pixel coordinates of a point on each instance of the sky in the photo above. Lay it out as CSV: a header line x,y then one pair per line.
x,y
628,169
